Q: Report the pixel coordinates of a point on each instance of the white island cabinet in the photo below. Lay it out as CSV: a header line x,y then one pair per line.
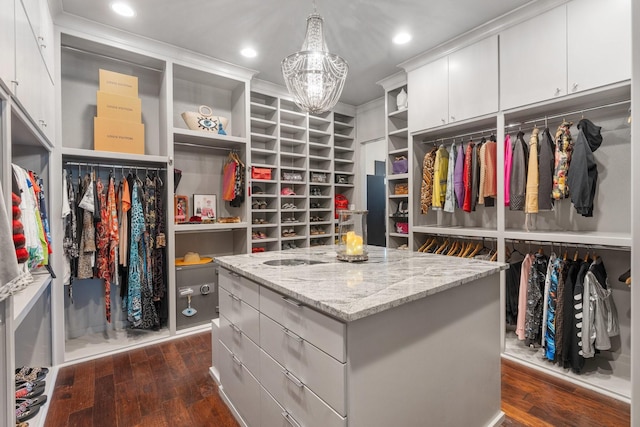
x,y
405,338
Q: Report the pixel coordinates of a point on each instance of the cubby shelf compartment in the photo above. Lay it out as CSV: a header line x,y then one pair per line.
x,y
399,151
398,196
399,114
262,137
403,131
258,108
202,139
398,177
404,236
258,123
24,300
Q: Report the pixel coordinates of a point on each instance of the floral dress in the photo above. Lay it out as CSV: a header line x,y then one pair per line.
x,y
564,148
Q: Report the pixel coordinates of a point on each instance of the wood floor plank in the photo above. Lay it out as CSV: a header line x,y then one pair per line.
x,y
169,385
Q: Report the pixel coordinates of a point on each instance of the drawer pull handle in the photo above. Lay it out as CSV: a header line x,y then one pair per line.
x,y
292,335
234,274
233,297
236,360
293,378
235,328
287,416
292,302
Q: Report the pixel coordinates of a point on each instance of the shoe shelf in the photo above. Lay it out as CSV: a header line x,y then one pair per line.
x,y
258,108
258,123
196,228
262,137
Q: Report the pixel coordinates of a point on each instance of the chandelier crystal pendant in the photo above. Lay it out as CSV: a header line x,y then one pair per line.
x,y
314,76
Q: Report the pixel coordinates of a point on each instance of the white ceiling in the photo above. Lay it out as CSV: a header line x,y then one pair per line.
x,y
358,30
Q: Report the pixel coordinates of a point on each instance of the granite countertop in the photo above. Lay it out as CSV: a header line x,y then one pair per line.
x,y
350,291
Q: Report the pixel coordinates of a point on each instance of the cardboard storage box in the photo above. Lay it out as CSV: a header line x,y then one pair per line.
x,y
118,135
112,106
119,84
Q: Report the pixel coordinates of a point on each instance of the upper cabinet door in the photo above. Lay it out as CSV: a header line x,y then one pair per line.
x,y
428,95
599,43
533,60
7,43
473,80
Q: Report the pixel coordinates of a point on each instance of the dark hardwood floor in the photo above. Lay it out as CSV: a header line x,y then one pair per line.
x,y
169,385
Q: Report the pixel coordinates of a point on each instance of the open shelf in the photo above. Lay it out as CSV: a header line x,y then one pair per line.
x,y
196,228
110,156
205,139
456,231
622,240
24,300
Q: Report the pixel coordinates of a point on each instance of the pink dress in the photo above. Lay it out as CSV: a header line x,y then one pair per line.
x,y
508,158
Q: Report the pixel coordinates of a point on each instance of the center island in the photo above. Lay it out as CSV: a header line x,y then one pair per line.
x,y
403,339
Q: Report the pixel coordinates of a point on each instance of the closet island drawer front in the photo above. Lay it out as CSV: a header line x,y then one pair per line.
x,y
320,330
243,288
295,397
272,414
240,314
240,387
316,369
239,344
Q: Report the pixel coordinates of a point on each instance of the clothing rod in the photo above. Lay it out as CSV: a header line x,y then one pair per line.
x,y
476,133
107,166
569,245
556,116
111,58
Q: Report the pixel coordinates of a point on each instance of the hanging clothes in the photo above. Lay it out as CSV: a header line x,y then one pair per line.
x,y
229,181
576,354
475,176
569,326
545,171
468,176
512,288
508,160
564,149
491,171
551,299
531,195
88,234
583,174
440,171
426,188
535,290
449,198
600,316
158,250
458,177
30,218
560,310
482,170
518,184
522,296
136,261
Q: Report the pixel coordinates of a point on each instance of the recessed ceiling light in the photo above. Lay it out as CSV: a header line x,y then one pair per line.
x,y
249,52
402,38
123,9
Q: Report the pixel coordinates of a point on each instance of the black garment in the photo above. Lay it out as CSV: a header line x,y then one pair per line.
x,y
512,289
519,165
567,316
546,164
560,324
575,351
535,300
583,173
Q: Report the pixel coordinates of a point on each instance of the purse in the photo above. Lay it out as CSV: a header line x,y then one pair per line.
x,y
401,188
400,165
291,176
318,177
341,203
342,179
260,173
204,120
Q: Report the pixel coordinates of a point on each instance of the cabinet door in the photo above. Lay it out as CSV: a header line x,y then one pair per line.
x,y
7,42
599,43
428,95
473,80
533,60
27,66
45,37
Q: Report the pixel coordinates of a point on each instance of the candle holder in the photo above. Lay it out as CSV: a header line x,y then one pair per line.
x,y
352,236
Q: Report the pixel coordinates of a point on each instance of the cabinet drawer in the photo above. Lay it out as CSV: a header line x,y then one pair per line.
x,y
242,389
322,331
240,345
243,288
240,314
272,414
297,399
316,369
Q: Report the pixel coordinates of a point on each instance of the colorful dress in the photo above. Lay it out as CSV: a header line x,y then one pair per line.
x,y
564,149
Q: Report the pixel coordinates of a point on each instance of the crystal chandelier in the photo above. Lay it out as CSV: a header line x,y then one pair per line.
x,y
314,77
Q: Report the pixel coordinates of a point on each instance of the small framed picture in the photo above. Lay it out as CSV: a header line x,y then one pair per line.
x,y
204,206
181,209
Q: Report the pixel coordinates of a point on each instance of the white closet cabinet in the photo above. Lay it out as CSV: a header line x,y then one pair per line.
x,y
473,80
428,96
455,88
34,87
7,42
598,43
575,47
533,60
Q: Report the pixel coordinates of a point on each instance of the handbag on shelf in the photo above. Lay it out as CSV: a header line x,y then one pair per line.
x,y
400,165
341,203
260,173
401,188
291,176
342,179
204,120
